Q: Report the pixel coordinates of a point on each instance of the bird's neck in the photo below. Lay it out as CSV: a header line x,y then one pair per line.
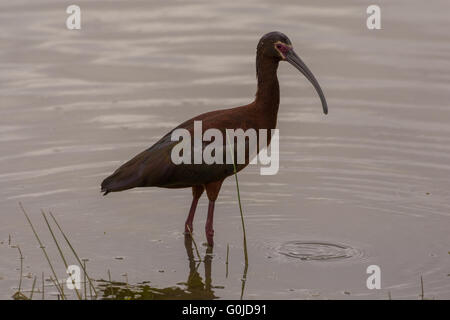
x,y
268,93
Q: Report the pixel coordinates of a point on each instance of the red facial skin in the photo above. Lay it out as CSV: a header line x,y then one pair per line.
x,y
283,48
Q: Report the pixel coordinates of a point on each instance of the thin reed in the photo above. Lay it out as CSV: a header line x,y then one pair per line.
x,y
244,276
58,286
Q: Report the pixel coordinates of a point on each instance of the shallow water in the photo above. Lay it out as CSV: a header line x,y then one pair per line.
x,y
369,183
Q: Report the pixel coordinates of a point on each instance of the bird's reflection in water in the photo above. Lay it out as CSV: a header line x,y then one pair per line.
x,y
194,288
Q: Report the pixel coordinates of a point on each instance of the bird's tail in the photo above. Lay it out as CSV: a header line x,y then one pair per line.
x,y
134,173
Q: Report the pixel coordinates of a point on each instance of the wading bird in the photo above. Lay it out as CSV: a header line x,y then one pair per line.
x,y
154,167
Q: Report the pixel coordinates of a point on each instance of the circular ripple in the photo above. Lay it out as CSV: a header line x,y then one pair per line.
x,y
318,251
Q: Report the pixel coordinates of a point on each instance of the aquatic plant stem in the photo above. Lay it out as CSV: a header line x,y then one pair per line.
x,y
21,267
58,286
74,253
422,295
32,288
244,276
61,254
226,263
43,287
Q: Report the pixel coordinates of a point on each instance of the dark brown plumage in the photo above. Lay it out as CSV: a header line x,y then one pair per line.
x,y
154,167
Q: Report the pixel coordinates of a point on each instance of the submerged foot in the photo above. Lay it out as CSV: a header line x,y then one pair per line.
x,y
188,229
210,237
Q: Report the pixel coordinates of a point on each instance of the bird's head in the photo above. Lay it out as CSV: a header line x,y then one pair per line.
x,y
276,45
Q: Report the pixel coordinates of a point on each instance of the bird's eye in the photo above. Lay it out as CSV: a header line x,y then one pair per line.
x,y
279,46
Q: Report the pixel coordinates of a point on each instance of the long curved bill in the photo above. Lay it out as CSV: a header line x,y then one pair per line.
x,y
295,60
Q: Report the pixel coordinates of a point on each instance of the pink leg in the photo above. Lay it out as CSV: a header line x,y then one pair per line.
x,y
196,194
209,224
190,219
212,190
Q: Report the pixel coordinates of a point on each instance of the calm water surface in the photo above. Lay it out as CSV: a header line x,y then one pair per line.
x,y
367,184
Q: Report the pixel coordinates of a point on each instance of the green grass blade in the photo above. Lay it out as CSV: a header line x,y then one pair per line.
x,y
32,288
244,275
61,253
59,287
43,287
74,253
226,263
